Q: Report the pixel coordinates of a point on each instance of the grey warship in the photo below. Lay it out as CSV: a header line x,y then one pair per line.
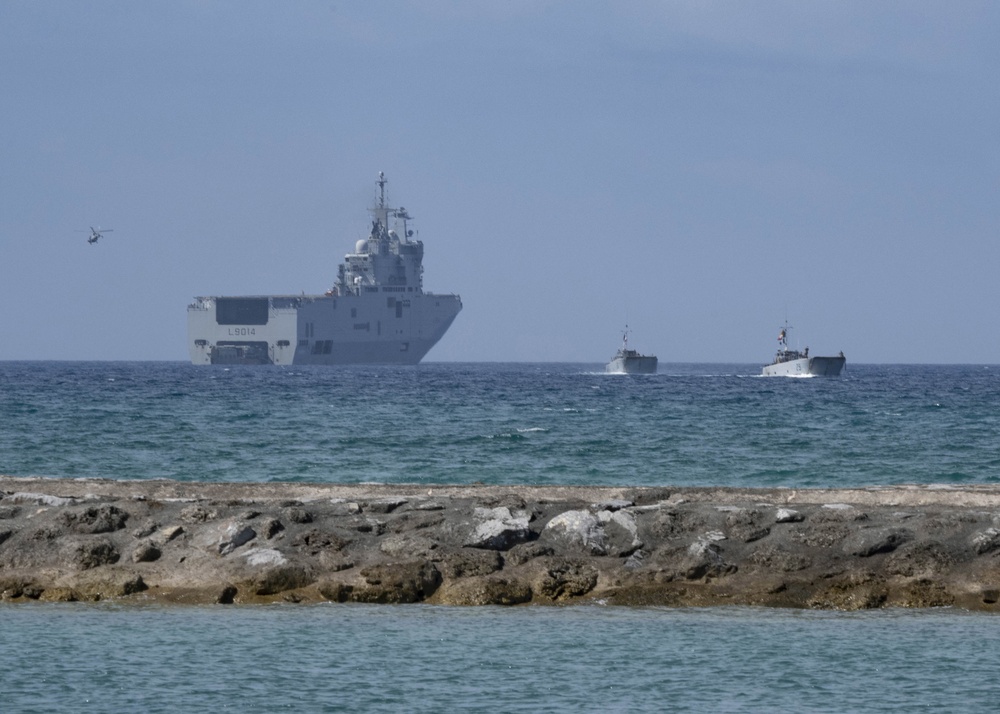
x,y
376,312
793,363
629,361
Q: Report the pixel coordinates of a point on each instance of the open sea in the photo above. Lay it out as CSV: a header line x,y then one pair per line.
x,y
690,424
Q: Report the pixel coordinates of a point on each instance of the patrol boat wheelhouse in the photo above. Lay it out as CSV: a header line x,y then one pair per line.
x,y
792,363
376,313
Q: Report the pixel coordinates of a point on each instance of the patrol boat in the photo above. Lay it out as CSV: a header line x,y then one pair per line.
x,y
376,312
628,361
792,363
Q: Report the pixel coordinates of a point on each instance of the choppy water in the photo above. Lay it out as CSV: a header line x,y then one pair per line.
x,y
501,423
510,424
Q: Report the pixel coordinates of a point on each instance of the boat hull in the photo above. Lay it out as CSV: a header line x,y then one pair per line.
x,y
632,365
370,328
806,367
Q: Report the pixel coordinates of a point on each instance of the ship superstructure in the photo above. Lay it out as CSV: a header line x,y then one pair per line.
x,y
376,312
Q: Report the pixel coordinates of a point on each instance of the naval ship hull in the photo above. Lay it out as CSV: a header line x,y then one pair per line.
x,y
370,328
806,367
640,364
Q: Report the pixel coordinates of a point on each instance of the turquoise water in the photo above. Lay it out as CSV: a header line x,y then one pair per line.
x,y
101,658
509,424
501,423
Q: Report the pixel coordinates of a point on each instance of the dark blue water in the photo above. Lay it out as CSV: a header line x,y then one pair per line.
x,y
501,423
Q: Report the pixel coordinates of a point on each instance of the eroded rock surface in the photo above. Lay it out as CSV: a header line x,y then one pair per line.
x,y
499,545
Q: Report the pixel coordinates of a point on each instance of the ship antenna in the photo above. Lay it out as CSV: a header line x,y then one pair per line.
x,y
381,187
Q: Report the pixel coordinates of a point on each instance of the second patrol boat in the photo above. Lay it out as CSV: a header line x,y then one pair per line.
x,y
376,313
792,363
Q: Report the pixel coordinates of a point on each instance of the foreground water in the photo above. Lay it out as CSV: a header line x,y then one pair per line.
x,y
101,658
501,423
498,424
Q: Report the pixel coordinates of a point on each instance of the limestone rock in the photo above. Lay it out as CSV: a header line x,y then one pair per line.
x,y
95,519
41,499
298,515
280,578
85,553
169,533
869,542
146,552
264,557
620,531
314,541
523,552
397,583
788,515
614,504
104,584
407,546
777,559
469,563
382,505
198,514
577,530
497,529
270,528
225,537
986,541
746,525
487,590
704,558
564,580
341,507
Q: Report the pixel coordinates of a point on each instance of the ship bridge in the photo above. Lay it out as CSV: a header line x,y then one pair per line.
x,y
387,257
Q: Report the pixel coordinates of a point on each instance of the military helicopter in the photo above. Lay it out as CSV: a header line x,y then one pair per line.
x,y
97,233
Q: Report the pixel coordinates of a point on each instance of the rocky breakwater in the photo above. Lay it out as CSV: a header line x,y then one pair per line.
x,y
499,545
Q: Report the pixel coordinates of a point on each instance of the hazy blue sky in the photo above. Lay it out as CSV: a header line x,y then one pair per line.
x,y
702,169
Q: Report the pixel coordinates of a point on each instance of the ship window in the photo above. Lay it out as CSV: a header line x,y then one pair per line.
x,y
363,326
201,343
303,343
317,347
399,309
327,347
283,343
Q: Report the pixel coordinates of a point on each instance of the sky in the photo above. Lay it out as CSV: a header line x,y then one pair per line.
x,y
703,171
